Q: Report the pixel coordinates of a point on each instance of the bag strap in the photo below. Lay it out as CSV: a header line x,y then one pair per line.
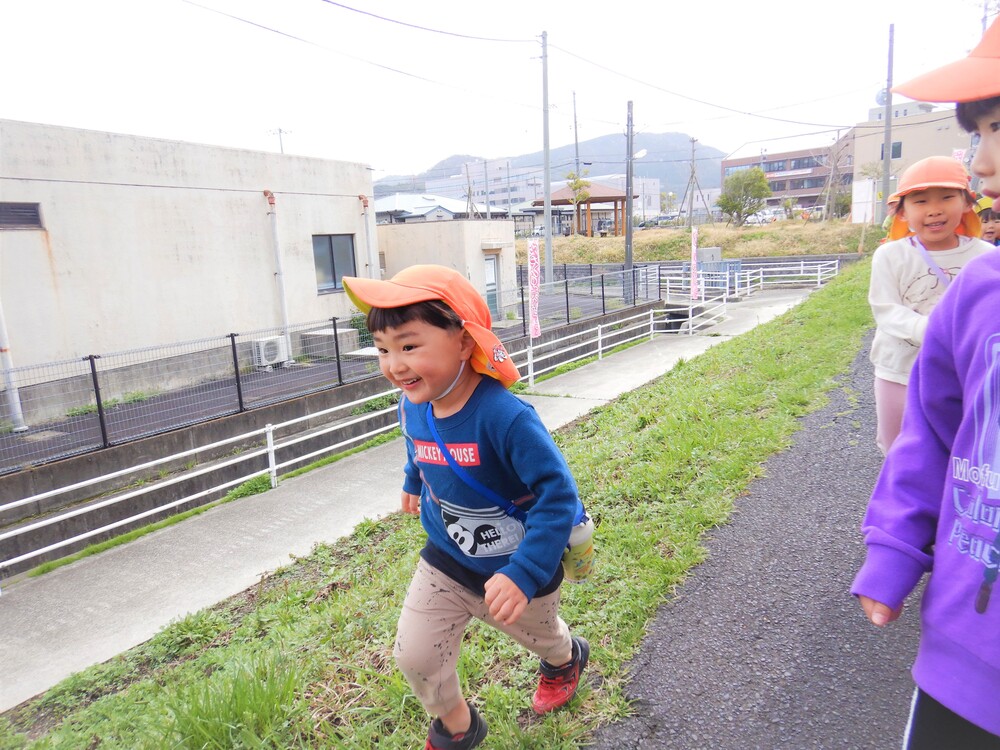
x,y
508,507
943,277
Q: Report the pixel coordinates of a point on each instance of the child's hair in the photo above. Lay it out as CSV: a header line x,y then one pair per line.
x,y
432,312
988,214
968,112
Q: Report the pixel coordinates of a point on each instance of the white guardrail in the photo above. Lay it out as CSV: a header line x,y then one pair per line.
x,y
598,341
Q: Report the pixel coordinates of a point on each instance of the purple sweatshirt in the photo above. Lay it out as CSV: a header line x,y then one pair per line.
x,y
936,504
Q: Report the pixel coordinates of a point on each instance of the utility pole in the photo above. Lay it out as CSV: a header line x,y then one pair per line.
x,y
628,191
486,177
576,146
692,181
281,143
887,137
545,149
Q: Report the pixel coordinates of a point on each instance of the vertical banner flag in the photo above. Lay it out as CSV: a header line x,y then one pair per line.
x,y
694,264
534,280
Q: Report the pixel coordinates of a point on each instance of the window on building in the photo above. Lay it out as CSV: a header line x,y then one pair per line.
x,y
732,170
334,258
774,166
897,150
20,216
805,162
777,186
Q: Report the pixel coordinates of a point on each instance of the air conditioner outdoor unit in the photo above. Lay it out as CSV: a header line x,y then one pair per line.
x,y
270,352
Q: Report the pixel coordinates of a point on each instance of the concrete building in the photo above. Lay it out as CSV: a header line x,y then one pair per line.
x,y
481,250
918,130
111,242
806,175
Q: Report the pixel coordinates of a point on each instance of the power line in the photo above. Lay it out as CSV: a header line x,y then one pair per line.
x,y
425,28
691,98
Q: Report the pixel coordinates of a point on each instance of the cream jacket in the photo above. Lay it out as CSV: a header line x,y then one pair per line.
x,y
902,293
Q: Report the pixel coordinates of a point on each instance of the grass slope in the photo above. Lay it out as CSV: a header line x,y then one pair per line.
x,y
304,659
782,238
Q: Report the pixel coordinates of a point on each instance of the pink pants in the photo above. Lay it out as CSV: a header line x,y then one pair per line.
x,y
890,398
435,614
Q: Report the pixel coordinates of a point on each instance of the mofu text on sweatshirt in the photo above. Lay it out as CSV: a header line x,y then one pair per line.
x,y
976,527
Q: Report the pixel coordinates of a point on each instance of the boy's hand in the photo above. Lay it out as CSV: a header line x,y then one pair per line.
x,y
506,601
877,612
411,503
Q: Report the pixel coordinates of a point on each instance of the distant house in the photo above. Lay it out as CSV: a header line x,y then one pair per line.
x,y
411,208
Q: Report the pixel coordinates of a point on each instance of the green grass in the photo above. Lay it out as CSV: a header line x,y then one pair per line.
x,y
304,659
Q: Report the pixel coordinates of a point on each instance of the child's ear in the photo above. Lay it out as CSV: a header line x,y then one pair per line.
x,y
468,345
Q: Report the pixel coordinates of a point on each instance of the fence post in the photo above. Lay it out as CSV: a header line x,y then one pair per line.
x,y
566,286
531,364
272,464
236,371
604,308
336,350
97,395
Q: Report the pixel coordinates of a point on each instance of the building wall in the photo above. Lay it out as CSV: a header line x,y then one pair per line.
x,y
918,136
462,244
148,241
802,175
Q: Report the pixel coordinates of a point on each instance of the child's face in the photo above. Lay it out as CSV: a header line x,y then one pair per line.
x,y
421,359
987,160
934,214
990,228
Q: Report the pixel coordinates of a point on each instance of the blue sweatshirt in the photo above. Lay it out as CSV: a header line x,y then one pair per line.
x,y
501,442
936,504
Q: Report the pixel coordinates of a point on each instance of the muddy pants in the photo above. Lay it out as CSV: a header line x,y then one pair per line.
x,y
435,614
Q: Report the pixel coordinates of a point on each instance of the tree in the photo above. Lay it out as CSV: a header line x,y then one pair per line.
x,y
744,193
578,186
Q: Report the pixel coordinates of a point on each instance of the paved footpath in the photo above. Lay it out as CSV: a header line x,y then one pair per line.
x,y
763,646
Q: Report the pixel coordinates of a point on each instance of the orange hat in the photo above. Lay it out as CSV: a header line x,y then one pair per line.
x,y
974,77
423,283
934,171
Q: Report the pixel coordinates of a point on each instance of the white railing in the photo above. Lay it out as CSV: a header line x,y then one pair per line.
x,y
272,446
675,282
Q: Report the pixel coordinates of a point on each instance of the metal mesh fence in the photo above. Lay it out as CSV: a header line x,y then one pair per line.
x,y
60,409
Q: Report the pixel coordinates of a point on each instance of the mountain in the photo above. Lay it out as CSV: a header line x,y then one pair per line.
x,y
667,157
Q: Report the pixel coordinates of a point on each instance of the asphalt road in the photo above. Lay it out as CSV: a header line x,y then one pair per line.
x,y
763,646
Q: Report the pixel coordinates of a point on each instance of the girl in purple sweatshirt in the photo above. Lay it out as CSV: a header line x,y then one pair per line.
x,y
936,506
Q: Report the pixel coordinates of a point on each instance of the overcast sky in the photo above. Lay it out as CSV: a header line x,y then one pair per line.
x,y
451,77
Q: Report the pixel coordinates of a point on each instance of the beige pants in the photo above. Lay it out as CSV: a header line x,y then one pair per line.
x,y
435,614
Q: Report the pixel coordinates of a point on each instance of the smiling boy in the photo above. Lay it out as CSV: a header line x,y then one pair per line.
x,y
469,439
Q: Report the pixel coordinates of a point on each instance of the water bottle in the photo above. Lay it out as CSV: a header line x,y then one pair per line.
x,y
578,559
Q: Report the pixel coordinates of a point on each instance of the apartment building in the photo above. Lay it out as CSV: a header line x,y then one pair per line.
x,y
809,175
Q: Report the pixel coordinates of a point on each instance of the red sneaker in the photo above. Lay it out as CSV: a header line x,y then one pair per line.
x,y
557,685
